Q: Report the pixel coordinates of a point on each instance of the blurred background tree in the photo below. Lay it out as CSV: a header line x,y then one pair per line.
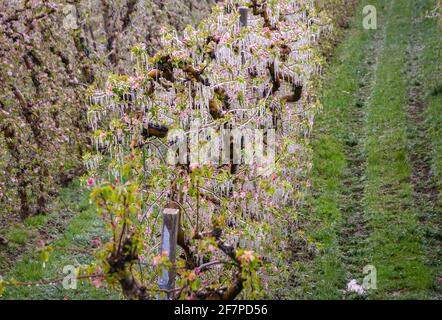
x,y
51,52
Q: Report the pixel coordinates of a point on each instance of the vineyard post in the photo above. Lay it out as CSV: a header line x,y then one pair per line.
x,y
243,21
244,16
168,246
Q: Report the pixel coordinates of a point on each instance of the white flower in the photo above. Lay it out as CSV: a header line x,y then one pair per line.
x,y
353,286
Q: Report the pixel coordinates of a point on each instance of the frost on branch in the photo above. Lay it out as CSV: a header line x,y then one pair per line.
x,y
235,219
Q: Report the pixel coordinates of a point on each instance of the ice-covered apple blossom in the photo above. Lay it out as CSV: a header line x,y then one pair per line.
x,y
235,218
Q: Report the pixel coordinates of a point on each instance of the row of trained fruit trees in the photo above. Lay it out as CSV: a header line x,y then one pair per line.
x,y
50,52
215,125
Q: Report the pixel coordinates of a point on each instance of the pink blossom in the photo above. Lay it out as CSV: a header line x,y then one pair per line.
x,y
96,242
191,276
97,282
90,182
163,29
156,260
248,256
224,39
194,166
40,244
182,55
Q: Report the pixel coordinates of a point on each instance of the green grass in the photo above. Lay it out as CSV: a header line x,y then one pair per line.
x,y
324,216
432,71
18,235
397,249
82,228
394,244
36,221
